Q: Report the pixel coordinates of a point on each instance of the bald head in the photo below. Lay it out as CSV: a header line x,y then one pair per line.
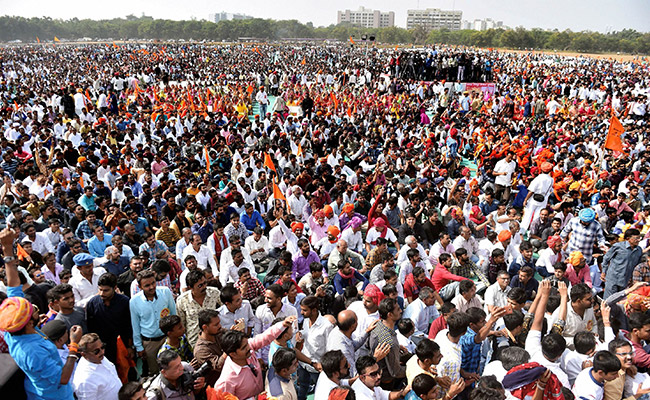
x,y
347,322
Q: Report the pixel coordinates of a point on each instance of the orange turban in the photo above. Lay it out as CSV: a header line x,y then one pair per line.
x,y
504,235
15,313
333,230
328,211
81,159
297,225
347,208
575,258
546,167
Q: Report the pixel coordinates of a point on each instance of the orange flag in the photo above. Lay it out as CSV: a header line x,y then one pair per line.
x,y
304,61
277,193
351,41
56,39
299,152
38,40
336,102
207,159
613,141
115,46
21,253
268,162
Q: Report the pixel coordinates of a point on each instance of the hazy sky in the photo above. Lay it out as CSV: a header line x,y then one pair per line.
x,y
577,15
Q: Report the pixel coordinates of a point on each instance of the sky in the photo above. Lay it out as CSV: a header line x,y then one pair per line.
x,y
577,15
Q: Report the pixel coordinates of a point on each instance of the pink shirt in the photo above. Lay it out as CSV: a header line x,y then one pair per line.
x,y
317,231
240,380
583,275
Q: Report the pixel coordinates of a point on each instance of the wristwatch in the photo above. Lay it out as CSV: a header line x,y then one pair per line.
x,y
9,259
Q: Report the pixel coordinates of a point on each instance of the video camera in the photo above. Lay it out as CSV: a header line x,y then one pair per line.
x,y
188,378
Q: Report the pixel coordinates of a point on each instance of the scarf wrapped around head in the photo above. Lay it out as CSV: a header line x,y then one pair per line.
x,y
639,300
373,292
521,381
575,258
473,216
553,240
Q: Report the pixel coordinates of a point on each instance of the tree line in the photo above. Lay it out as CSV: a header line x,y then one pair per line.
x,y
131,27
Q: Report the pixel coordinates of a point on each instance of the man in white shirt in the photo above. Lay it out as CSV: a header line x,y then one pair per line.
x,y
235,309
503,171
549,351
497,295
85,279
422,311
202,255
95,377
335,366
231,266
315,332
367,386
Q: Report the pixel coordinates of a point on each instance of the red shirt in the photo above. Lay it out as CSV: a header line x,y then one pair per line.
x,y
442,276
412,289
436,326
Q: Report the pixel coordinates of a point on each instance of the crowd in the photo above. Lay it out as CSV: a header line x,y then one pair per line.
x,y
375,231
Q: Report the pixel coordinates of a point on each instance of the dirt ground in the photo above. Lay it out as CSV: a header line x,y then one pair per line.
x,y
619,57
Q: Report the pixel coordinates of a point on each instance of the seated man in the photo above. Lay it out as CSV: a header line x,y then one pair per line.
x,y
524,279
466,296
445,283
347,276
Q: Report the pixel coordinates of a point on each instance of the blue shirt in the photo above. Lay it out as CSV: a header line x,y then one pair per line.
x,y
471,352
252,221
117,268
141,225
39,360
97,247
340,283
88,203
146,315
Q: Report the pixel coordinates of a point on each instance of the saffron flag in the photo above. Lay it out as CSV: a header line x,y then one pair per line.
x,y
334,100
268,162
56,39
21,253
299,152
351,41
207,159
277,193
38,40
613,141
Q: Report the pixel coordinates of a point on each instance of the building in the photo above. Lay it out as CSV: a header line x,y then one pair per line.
x,y
224,16
434,18
482,24
366,18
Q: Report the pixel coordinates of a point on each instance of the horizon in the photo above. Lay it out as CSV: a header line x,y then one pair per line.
x,y
597,15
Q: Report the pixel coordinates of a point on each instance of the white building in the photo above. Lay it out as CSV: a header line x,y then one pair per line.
x,y
224,16
482,24
434,18
367,18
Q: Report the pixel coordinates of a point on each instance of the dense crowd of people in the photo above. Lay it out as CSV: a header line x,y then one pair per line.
x,y
377,230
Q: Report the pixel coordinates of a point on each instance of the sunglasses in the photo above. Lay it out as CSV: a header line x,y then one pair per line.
x,y
374,374
99,350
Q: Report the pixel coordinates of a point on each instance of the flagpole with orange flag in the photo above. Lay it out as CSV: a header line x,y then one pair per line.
x,y
277,193
56,39
268,163
613,140
207,159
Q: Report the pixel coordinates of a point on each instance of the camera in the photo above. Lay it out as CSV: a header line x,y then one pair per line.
x,y
188,378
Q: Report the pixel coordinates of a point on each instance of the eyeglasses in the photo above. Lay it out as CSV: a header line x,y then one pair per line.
x,y
374,374
99,350
630,354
